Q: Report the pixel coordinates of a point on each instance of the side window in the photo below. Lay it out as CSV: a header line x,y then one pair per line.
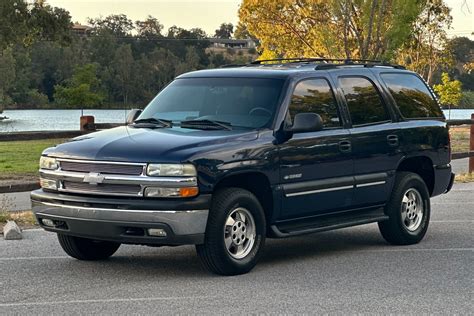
x,y
315,96
411,95
363,101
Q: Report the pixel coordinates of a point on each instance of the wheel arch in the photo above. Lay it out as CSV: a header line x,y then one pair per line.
x,y
421,165
257,183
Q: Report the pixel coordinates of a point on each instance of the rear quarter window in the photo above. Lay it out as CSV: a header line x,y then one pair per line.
x,y
412,96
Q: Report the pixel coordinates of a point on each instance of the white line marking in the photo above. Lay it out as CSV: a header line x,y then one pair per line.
x,y
112,300
452,221
33,258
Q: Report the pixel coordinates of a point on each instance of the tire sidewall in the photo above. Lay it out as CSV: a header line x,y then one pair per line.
x,y
248,201
407,182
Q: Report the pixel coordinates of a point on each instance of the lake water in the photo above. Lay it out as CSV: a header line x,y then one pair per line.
x,y
57,120
48,120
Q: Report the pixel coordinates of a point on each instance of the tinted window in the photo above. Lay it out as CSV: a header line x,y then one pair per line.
x,y
243,102
363,100
315,96
411,95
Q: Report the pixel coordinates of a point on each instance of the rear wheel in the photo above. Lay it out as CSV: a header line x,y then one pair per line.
x,y
235,233
408,211
87,249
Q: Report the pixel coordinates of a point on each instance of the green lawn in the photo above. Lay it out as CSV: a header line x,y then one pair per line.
x,y
20,158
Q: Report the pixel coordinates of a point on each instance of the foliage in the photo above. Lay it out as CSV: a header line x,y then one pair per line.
x,y
225,31
83,89
449,91
335,28
25,24
116,24
425,51
467,100
149,28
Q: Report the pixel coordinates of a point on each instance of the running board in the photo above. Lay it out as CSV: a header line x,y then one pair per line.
x,y
327,222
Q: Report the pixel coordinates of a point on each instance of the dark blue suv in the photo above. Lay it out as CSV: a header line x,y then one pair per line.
x,y
225,158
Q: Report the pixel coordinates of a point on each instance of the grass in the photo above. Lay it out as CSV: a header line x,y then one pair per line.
x,y
20,158
459,138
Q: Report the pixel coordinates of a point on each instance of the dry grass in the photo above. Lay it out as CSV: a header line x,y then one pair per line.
x,y
24,219
460,136
464,177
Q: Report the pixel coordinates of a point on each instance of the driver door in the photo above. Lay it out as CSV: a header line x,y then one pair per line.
x,y
316,168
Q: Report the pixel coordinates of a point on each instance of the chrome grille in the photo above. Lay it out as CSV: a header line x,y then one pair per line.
x,y
104,189
106,168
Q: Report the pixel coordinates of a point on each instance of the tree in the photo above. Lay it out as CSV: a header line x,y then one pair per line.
x,y
242,32
122,72
7,78
151,27
449,91
117,24
224,31
425,51
335,28
83,89
25,24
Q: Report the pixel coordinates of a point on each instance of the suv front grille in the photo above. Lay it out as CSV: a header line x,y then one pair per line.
x,y
103,189
106,168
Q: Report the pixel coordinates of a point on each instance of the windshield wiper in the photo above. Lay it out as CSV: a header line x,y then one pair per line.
x,y
206,124
154,121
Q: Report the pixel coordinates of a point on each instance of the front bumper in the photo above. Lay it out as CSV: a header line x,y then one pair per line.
x,y
123,220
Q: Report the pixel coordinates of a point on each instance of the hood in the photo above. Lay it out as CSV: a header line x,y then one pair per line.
x,y
130,144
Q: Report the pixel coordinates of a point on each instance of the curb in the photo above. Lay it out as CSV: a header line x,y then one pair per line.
x,y
20,187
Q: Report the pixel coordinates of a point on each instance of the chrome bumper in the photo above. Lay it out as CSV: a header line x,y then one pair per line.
x,y
111,224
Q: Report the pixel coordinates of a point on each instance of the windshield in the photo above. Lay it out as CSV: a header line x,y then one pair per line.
x,y
242,102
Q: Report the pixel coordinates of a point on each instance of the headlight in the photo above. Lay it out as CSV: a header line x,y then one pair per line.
x,y
48,163
171,170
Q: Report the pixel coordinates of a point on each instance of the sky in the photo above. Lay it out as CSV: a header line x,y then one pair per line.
x,y
208,15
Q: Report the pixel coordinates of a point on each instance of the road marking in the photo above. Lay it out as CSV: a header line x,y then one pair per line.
x,y
33,258
416,249
112,300
453,221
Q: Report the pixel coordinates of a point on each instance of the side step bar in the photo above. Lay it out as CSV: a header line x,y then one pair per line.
x,y
327,222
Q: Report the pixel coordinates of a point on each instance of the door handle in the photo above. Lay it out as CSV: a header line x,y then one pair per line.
x,y
345,146
393,141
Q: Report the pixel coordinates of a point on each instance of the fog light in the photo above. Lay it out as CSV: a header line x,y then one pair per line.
x,y
48,184
157,232
48,222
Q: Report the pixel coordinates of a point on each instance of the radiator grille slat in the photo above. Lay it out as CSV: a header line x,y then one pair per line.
x,y
102,168
129,190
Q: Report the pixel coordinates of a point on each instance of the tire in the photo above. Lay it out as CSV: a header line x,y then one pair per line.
x,y
87,249
408,210
224,251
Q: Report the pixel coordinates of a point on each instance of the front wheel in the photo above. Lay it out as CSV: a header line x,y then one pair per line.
x,y
235,233
87,249
408,211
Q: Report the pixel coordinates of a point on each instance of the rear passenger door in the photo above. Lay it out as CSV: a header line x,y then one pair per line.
x,y
375,139
316,167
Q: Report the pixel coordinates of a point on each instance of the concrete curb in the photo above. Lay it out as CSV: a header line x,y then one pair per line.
x,y
19,187
11,231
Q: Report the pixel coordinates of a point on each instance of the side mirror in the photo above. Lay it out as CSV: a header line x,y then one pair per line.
x,y
307,122
133,115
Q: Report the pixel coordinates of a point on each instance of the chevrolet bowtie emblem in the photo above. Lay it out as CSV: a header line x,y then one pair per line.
x,y
94,178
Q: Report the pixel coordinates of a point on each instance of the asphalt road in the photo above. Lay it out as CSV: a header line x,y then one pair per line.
x,y
345,271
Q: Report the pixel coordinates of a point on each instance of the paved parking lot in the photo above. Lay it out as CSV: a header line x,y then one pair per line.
x,y
349,270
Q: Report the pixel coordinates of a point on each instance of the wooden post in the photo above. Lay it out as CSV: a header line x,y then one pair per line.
x,y
87,123
471,147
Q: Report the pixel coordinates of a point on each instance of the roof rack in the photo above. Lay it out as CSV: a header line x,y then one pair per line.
x,y
327,63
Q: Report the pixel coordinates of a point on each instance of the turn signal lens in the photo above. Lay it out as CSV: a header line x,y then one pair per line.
x,y
157,192
188,192
48,184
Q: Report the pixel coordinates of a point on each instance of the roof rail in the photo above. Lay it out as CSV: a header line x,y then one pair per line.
x,y
327,63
